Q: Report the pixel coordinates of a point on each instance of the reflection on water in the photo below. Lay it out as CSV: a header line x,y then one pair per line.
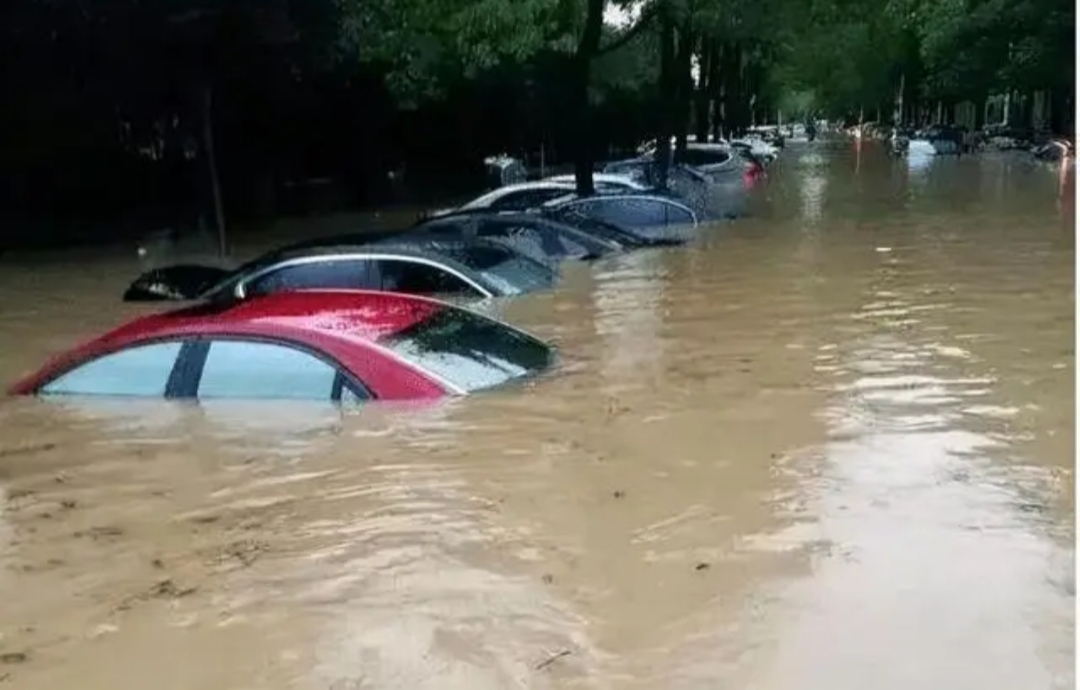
x,y
628,299
829,445
926,515
812,181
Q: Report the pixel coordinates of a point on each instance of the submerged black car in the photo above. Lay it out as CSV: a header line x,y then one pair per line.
x,y
546,235
657,217
445,267
542,238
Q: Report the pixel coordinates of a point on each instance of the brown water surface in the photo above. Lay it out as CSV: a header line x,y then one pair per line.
x,y
829,446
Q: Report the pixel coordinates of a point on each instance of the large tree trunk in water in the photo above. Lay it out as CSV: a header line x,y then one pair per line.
x,y
738,117
581,64
731,83
685,89
666,94
1060,105
716,90
898,106
701,97
211,162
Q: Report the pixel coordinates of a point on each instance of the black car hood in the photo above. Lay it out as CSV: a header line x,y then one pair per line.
x,y
174,283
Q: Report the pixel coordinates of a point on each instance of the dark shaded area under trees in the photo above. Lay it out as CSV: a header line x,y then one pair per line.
x,y
309,104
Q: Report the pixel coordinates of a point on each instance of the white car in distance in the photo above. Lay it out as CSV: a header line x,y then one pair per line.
x,y
528,195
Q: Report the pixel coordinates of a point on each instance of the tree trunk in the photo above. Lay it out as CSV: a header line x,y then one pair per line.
x,y
734,105
701,96
211,162
742,96
684,93
716,90
1057,110
898,111
580,66
666,88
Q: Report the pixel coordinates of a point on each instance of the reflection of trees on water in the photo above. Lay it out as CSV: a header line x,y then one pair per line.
x,y
628,317
813,184
914,479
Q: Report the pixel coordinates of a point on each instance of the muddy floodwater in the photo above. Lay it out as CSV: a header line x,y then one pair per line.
x,y
827,446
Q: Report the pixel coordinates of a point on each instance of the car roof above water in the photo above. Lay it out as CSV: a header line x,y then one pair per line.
x,y
365,315
338,318
401,243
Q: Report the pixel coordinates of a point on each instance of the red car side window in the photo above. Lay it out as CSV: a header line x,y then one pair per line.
x,y
141,370
256,369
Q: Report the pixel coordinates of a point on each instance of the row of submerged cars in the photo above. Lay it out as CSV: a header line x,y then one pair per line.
x,y
940,139
366,316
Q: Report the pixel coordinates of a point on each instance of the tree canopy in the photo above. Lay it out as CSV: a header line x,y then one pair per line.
x,y
346,88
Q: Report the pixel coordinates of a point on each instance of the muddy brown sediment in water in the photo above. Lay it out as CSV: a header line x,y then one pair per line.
x,y
827,447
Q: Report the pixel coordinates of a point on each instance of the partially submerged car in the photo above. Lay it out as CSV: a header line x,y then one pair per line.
x,y
1054,150
716,159
543,238
649,215
629,237
526,195
464,267
937,140
337,346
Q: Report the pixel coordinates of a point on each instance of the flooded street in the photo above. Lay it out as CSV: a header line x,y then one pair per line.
x,y
828,446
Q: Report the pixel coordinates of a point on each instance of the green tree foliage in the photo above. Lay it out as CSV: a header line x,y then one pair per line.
x,y
852,54
425,45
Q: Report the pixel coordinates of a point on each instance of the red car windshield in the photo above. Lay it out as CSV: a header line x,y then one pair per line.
x,y
469,351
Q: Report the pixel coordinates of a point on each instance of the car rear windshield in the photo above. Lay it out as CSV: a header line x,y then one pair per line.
x,y
469,351
596,227
513,273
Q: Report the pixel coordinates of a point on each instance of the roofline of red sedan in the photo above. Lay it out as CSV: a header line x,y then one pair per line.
x,y
115,339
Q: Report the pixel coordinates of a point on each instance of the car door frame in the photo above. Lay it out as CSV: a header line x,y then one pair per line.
x,y
240,291
547,230
485,293
583,201
554,191
173,381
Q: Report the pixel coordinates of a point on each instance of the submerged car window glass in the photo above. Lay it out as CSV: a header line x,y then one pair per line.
x,y
511,272
453,228
594,226
256,370
142,370
637,212
468,350
415,278
342,274
525,199
532,239
707,157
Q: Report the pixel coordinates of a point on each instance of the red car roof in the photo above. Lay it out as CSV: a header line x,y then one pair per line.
x,y
365,315
333,320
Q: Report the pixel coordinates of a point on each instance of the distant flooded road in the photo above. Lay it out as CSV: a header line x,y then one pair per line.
x,y
828,446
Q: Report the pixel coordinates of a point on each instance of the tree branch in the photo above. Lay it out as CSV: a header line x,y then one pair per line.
x,y
643,22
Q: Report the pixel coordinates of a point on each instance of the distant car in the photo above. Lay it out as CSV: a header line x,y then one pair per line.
x,y
631,238
604,181
526,195
937,140
758,149
531,234
1055,150
339,346
715,159
650,215
393,263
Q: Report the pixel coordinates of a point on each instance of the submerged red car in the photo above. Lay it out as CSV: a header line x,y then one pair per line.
x,y
341,346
